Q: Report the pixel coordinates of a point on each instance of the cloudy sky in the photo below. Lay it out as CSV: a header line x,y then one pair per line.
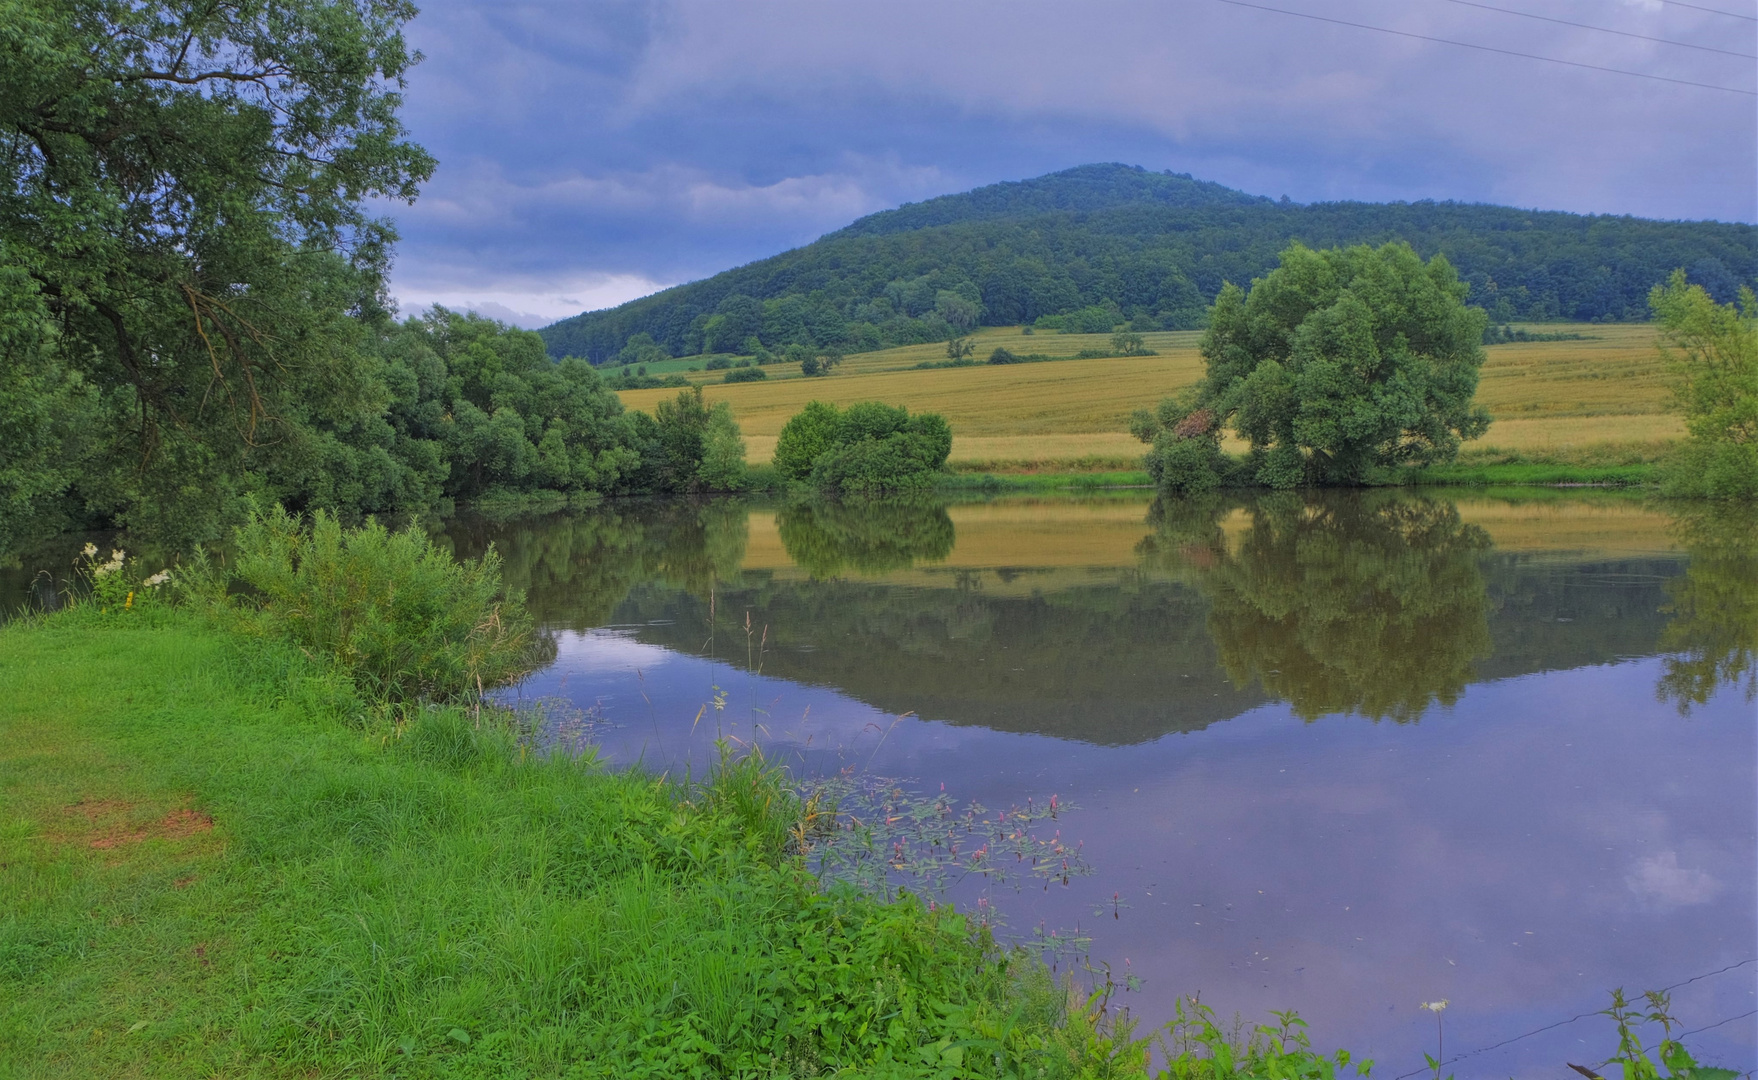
x,y
593,151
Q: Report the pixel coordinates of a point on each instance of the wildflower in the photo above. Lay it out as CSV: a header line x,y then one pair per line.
x,y
91,551
129,605
1435,1006
157,579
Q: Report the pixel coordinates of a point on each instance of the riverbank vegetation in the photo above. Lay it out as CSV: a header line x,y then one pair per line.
x,y
233,845
193,306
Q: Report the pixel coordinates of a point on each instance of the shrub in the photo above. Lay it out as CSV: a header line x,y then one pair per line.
x,y
401,616
808,434
719,363
1002,356
746,374
869,447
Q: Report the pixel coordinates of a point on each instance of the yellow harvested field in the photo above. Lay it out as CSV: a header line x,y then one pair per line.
x,y
1618,374
1552,397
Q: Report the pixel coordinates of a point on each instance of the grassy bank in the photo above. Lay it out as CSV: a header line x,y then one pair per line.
x,y
1467,475
207,866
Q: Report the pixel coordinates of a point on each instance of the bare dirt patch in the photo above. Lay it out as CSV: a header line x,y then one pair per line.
x,y
111,818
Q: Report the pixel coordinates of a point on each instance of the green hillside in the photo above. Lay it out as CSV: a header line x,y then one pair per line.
x,y
1107,244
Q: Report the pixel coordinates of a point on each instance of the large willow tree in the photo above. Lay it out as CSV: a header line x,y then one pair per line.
x,y
188,260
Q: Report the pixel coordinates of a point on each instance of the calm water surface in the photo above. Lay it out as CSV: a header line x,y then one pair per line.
x,y
1341,754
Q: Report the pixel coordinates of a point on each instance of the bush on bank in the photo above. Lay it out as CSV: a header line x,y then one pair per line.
x,y
865,449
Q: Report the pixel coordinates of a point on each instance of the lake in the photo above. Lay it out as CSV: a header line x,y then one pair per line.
x,y
1341,754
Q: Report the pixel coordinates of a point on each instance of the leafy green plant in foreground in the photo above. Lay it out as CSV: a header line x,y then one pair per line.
x,y
400,616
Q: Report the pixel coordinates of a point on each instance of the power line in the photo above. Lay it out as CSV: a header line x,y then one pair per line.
x,y
1718,1023
1712,11
1489,48
1597,1012
1602,29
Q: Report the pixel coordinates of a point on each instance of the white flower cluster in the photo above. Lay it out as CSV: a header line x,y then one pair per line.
x,y
115,564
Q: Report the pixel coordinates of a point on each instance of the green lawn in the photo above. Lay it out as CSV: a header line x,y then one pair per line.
x,y
205,871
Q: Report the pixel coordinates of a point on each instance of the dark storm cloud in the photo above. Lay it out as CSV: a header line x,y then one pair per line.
x,y
593,151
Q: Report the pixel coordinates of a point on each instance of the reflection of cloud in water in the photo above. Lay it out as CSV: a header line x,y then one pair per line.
x,y
598,651
1662,882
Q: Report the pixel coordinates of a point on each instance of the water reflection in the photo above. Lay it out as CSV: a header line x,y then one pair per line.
x,y
575,568
1371,603
825,537
1512,853
1382,604
1713,633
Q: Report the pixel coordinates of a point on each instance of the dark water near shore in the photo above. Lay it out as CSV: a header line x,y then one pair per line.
x,y
1340,754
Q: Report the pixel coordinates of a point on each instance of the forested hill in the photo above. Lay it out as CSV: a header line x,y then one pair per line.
x,y
1108,244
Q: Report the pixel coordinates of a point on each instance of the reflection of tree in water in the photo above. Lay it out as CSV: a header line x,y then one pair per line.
x,y
1714,609
576,568
1369,602
869,537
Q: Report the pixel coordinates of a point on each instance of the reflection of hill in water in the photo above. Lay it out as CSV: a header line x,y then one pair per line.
x,y
1103,664
1112,664
1378,603
1551,614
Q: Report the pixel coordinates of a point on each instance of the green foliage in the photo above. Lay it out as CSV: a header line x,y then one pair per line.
x,y
867,448
1712,352
1373,604
1713,633
825,537
723,450
689,446
1143,247
400,616
1506,335
1186,458
477,407
1634,1057
1343,362
1002,356
1198,1049
746,374
812,361
959,348
1129,343
806,437
187,200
